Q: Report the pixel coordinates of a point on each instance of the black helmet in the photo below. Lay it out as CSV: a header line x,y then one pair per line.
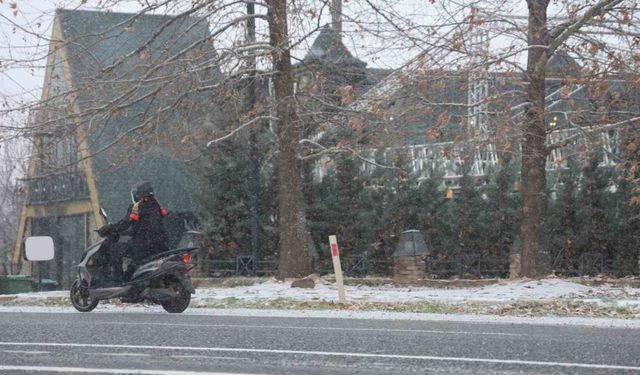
x,y
141,190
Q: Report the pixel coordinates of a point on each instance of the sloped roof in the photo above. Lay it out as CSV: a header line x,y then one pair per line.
x,y
562,64
328,48
147,57
414,92
419,67
98,40
411,244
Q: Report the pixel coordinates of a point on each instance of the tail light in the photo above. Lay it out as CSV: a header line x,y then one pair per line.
x,y
186,259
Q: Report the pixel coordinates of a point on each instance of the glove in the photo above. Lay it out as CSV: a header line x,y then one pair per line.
x,y
104,231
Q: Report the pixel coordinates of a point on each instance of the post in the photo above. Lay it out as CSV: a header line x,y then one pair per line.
x,y
336,16
39,276
335,256
254,157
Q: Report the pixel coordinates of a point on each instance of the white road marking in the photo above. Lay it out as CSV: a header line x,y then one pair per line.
x,y
205,357
84,370
121,354
26,351
334,354
388,330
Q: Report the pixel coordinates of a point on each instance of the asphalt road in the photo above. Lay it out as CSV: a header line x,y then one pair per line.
x,y
150,343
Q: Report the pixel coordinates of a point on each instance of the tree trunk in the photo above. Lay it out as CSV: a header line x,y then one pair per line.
x,y
534,151
295,257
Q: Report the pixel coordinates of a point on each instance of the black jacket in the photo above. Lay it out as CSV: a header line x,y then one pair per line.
x,y
144,221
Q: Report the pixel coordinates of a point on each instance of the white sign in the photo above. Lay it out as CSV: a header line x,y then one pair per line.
x,y
39,248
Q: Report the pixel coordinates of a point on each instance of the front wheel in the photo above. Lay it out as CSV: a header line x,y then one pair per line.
x,y
179,303
80,298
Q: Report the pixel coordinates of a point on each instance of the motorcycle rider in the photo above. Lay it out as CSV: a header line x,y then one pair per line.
x,y
144,221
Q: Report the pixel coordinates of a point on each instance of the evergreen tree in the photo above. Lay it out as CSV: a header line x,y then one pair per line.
x,y
470,229
592,237
393,209
269,210
349,189
343,204
501,217
432,215
322,209
625,226
403,202
626,217
436,220
564,225
224,198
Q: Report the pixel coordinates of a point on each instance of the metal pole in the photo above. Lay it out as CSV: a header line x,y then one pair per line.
x,y
336,16
39,276
254,157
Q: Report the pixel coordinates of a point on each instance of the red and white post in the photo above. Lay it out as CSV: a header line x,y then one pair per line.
x,y
337,268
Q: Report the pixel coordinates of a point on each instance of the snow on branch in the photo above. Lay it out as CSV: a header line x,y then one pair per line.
x,y
566,30
341,149
586,132
239,128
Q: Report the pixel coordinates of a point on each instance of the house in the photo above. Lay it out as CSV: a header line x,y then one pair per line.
x,y
427,115
328,78
120,103
329,66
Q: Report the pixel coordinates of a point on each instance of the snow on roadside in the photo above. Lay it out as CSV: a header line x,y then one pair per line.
x,y
545,289
502,292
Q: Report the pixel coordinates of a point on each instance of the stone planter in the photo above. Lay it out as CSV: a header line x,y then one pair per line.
x,y
409,257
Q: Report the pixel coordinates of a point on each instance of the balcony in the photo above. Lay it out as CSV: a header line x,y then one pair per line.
x,y
57,187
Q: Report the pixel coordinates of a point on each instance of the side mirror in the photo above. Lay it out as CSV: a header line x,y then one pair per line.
x,y
103,213
38,249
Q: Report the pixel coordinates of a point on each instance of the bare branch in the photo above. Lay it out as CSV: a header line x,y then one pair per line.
x,y
239,128
341,149
566,30
587,131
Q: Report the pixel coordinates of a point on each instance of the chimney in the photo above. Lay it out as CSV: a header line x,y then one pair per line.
x,y
336,16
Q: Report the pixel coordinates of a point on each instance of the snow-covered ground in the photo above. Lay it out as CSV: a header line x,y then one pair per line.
x,y
501,292
545,289
549,301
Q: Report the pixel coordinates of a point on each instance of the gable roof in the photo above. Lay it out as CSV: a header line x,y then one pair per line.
x,y
97,41
329,49
127,69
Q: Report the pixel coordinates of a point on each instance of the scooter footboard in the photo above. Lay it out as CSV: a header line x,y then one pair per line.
x,y
106,293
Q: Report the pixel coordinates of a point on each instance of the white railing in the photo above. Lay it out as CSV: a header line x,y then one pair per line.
x,y
448,157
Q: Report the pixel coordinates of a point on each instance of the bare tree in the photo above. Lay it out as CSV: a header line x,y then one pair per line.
x,y
13,159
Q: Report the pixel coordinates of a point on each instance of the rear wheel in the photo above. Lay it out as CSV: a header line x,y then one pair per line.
x,y
179,303
80,298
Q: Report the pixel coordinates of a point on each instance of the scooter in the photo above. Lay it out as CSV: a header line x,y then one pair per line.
x,y
161,279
